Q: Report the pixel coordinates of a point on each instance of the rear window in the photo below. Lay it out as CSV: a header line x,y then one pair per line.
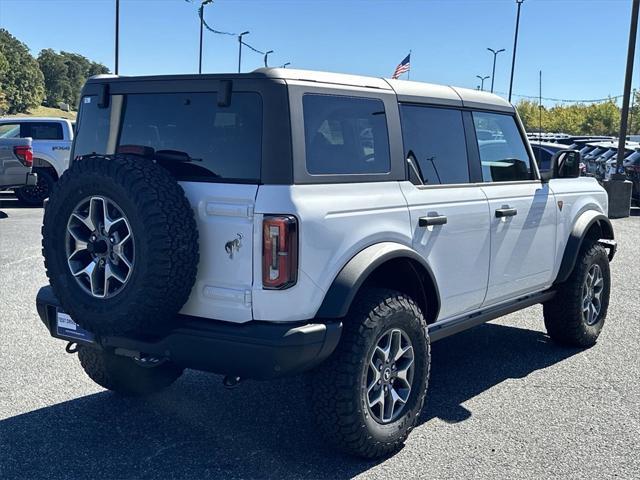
x,y
345,135
42,130
189,133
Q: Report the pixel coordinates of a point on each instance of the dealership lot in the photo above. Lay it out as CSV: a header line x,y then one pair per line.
x,y
503,400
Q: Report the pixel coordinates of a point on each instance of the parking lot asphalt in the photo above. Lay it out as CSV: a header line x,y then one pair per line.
x,y
503,402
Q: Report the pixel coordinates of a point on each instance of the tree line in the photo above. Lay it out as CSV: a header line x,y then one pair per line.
x,y
49,79
579,119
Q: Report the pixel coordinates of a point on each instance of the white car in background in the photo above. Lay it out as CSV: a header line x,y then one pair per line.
x,y
52,139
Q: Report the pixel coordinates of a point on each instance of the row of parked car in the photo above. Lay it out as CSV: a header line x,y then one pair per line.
x,y
599,155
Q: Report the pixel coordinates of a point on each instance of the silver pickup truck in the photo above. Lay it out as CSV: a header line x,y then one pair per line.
x,y
16,160
52,139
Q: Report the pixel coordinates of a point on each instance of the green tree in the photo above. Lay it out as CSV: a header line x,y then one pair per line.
x,y
56,81
64,74
4,66
22,84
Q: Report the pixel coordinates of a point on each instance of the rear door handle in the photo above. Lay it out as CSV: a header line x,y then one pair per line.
x,y
430,221
506,212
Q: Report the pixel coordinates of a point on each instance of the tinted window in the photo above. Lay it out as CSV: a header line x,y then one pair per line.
x,y
504,158
188,133
345,135
436,138
10,130
42,130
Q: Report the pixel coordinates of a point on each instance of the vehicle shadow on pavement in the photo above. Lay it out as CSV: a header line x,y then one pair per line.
x,y
198,429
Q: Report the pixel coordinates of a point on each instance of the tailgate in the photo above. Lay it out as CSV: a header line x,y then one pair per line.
x,y
224,215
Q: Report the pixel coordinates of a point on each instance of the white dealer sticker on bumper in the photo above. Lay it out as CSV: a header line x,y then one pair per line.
x,y
66,327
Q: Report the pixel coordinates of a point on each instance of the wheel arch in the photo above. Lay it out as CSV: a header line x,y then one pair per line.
x,y
43,163
591,225
389,265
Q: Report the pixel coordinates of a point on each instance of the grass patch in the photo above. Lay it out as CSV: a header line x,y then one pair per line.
x,y
43,111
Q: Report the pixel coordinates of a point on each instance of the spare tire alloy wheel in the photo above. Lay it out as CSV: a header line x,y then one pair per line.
x,y
390,376
100,247
120,244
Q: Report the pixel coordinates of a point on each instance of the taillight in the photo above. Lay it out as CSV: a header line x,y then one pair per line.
x,y
24,154
279,252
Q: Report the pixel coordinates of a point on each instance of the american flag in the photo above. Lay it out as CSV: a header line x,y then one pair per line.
x,y
403,67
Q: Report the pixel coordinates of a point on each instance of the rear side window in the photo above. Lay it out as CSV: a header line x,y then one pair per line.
x,y
189,134
10,130
436,138
345,135
42,130
504,158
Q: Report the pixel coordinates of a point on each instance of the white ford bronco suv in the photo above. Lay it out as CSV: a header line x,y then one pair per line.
x,y
265,224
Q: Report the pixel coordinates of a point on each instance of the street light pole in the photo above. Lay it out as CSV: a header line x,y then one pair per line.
x,y
285,65
200,51
515,45
627,83
266,54
117,35
202,5
482,79
493,71
240,49
618,188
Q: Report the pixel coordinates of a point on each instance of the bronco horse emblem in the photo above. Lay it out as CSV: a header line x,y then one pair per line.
x,y
233,245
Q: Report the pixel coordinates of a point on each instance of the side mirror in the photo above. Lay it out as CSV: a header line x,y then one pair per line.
x,y
564,164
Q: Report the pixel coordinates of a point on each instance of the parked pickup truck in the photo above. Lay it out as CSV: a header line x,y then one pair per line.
x,y
16,157
52,138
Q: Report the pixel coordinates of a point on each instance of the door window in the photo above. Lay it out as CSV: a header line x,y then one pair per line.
x,y
504,158
436,138
345,135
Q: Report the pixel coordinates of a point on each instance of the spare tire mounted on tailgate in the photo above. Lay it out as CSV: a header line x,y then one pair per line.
x,y
120,244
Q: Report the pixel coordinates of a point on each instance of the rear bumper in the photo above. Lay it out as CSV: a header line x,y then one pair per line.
x,y
258,350
17,180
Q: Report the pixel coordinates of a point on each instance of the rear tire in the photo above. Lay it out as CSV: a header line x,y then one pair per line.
x,y
123,375
346,387
575,316
35,195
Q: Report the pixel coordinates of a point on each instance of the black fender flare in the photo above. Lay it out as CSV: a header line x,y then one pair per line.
x,y
345,286
578,233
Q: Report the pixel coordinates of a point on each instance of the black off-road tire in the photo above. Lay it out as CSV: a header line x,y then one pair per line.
x,y
165,240
34,196
338,386
123,375
563,317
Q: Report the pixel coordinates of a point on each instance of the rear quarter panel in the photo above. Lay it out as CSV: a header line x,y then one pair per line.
x,y
336,221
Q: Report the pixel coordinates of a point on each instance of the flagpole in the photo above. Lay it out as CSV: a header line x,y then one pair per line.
x,y
409,72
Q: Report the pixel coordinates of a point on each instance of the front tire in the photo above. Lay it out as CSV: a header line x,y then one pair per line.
x,y
368,395
575,316
123,375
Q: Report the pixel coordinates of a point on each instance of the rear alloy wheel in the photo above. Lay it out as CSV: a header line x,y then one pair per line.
x,y
390,376
368,395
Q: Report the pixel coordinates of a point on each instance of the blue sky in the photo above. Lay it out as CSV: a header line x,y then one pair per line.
x,y
580,45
